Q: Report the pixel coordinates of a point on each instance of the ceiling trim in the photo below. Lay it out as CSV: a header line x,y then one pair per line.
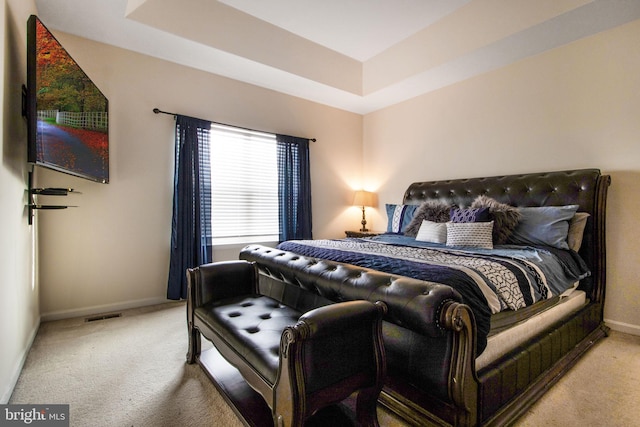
x,y
94,20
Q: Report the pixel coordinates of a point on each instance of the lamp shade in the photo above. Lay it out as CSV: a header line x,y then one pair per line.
x,y
364,198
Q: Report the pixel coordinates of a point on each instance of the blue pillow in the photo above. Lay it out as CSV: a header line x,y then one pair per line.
x,y
399,217
546,225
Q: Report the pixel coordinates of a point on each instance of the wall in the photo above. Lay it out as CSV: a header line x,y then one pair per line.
x,y
573,107
19,311
112,251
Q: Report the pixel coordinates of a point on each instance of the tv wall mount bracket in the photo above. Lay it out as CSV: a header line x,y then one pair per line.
x,y
51,191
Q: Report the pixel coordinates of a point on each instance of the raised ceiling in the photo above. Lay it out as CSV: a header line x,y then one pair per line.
x,y
357,55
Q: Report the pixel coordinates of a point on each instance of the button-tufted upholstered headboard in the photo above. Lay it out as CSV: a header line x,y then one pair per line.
x,y
584,187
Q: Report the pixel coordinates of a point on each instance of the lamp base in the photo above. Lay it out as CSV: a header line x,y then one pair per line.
x,y
363,222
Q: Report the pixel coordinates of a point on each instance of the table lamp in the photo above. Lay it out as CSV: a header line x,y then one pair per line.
x,y
364,199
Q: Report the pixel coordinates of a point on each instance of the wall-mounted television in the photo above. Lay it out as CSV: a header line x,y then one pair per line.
x,y
67,115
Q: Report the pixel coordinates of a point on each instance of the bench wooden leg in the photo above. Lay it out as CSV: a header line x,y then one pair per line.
x,y
195,344
366,407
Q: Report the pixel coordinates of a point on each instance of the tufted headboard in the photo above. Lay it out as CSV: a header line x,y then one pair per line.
x,y
584,187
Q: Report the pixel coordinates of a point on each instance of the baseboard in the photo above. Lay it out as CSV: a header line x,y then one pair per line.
x,y
100,309
8,391
626,328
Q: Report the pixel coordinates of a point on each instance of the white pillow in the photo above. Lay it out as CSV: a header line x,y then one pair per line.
x,y
434,232
476,234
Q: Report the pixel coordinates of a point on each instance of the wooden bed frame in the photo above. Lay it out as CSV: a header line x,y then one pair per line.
x,y
454,392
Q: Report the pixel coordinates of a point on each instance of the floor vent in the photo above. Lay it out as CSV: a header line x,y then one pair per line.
x,y
102,317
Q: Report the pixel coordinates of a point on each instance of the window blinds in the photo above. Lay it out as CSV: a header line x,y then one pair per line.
x,y
244,185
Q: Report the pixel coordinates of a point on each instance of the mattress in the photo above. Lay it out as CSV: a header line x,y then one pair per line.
x,y
501,343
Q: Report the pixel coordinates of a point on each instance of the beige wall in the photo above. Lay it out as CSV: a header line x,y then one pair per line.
x,y
112,251
19,311
573,107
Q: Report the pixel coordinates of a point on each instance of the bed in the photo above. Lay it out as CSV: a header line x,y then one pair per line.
x,y
483,320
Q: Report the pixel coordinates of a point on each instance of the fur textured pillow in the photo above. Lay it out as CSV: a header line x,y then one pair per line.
x,y
505,217
431,210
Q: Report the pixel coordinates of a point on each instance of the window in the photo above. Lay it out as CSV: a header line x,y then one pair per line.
x,y
244,186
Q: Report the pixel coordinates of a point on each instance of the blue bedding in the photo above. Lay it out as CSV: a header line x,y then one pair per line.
x,y
507,277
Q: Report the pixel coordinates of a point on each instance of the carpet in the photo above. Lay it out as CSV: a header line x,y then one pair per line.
x,y
125,371
131,371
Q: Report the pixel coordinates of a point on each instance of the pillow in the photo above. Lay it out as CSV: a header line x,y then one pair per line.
x,y
434,232
545,225
576,230
505,217
469,215
476,234
431,210
399,217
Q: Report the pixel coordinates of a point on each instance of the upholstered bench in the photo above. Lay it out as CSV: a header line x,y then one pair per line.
x,y
298,362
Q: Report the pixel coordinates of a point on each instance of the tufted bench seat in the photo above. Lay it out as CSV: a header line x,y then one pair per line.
x,y
298,362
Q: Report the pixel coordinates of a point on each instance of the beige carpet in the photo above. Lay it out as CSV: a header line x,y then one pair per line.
x,y
131,371
602,390
127,371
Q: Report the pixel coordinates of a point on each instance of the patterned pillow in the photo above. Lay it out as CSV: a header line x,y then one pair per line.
x,y
505,217
431,210
469,215
399,217
434,232
475,234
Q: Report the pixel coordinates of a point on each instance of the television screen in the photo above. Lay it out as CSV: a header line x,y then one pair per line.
x,y
68,115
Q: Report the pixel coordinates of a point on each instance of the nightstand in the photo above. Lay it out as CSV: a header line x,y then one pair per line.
x,y
353,233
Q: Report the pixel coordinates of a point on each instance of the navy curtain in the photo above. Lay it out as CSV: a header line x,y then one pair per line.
x,y
294,188
191,224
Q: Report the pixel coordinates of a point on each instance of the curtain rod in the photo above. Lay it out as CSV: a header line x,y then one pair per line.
x,y
159,111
